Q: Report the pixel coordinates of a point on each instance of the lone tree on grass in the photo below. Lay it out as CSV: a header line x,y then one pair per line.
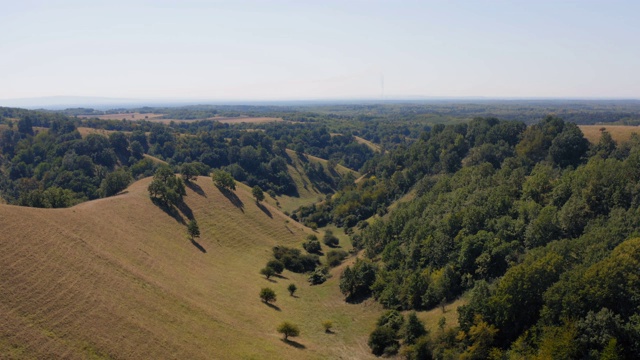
x,y
257,193
288,329
193,230
267,272
267,295
189,172
223,180
292,288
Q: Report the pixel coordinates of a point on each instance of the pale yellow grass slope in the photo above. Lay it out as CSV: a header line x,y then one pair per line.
x,y
117,278
619,133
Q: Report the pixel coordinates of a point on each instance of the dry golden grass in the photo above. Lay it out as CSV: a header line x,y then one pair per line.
x,y
117,278
619,133
121,116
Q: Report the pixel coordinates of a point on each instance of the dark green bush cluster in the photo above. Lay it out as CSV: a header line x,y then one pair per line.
x,y
312,245
294,260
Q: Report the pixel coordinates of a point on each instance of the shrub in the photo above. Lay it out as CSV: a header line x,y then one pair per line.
x,y
329,239
292,288
317,277
327,325
312,247
335,257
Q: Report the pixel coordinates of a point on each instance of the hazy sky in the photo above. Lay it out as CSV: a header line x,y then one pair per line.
x,y
266,50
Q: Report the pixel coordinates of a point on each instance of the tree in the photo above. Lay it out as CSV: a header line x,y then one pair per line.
x,y
257,193
223,180
414,328
267,272
166,186
383,340
288,329
193,230
189,172
276,265
267,295
115,182
357,281
292,288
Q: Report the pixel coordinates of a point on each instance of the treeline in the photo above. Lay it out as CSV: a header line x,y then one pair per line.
x,y
533,224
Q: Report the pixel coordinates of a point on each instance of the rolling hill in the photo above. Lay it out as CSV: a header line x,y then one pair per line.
x,y
118,278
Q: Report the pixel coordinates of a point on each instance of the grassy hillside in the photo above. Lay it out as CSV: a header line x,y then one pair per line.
x,y
619,133
118,278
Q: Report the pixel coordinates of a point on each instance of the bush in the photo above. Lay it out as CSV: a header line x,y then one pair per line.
x,y
292,288
327,325
329,239
312,247
318,277
335,257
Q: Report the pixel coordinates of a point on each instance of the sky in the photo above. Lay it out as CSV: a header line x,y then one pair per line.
x,y
349,49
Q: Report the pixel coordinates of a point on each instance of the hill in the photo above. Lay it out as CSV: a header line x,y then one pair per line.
x,y
117,278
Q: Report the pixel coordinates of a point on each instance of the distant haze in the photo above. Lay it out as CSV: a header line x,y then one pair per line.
x,y
195,51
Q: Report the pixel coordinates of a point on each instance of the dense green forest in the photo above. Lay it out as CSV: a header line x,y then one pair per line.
x,y
533,226
533,223
45,162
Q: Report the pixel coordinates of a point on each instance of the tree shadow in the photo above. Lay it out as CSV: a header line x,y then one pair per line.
x,y
359,299
264,210
186,210
295,344
280,276
270,280
274,307
329,331
196,188
235,200
200,247
169,210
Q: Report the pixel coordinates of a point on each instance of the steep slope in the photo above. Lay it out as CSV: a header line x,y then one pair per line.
x,y
118,278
